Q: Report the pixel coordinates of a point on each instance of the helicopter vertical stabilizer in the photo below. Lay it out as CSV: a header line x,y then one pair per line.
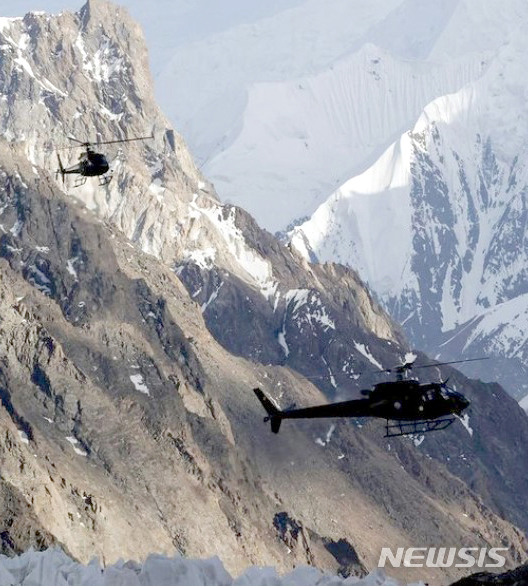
x,y
61,167
274,414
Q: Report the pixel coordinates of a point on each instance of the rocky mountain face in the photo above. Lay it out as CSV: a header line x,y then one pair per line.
x,y
137,317
517,577
437,225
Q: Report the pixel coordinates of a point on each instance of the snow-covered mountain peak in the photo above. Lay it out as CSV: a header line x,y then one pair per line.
x,y
361,216
436,225
445,110
351,108
372,68
102,91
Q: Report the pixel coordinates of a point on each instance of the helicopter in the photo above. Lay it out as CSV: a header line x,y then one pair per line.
x,y
91,164
407,405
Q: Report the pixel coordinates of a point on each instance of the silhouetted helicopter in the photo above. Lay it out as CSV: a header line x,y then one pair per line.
x,y
91,164
411,406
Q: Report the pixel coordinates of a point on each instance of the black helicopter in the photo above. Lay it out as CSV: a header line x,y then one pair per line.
x,y
410,406
91,164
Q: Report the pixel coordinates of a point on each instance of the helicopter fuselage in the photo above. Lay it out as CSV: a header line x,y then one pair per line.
x,y
398,400
411,400
402,400
90,165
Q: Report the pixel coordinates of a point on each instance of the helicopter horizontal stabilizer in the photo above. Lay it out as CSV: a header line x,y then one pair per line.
x,y
274,414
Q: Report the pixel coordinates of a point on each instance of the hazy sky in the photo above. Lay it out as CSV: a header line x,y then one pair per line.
x,y
20,7
167,23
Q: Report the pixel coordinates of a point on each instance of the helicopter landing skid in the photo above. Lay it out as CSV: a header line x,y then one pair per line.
x,y
400,428
81,180
105,179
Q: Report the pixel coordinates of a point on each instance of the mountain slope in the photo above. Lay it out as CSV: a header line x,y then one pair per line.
x,y
136,319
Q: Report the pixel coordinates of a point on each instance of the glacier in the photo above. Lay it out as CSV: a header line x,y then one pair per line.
x,y
53,567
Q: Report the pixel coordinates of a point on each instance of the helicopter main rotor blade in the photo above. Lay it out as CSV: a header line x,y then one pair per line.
x,y
451,362
122,140
401,368
85,143
72,146
397,369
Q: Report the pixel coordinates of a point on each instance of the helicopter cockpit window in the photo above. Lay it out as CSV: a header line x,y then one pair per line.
x,y
445,394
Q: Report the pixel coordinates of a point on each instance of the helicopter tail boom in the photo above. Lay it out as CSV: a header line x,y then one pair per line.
x,y
274,414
